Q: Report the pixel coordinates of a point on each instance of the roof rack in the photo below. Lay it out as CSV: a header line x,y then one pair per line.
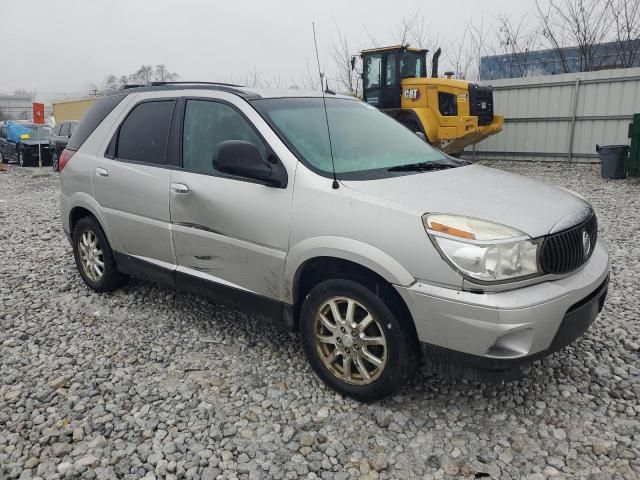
x,y
132,85
161,83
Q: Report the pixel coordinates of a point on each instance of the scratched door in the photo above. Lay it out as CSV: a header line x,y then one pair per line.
x,y
226,229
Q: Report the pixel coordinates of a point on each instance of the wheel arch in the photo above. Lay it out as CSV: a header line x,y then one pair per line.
x,y
84,205
364,263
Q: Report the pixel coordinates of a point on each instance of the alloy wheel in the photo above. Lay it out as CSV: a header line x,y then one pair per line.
x,y
91,256
350,341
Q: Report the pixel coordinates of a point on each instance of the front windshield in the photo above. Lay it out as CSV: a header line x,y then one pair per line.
x,y
45,133
363,138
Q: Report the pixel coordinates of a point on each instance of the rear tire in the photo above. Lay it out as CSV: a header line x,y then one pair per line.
x,y
346,329
94,258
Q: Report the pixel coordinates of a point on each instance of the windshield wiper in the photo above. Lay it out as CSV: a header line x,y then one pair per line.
x,y
422,167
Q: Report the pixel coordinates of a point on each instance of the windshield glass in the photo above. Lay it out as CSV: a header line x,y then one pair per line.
x,y
411,65
45,133
363,138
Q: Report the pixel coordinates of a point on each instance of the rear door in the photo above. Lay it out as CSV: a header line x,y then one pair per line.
x,y
131,183
226,229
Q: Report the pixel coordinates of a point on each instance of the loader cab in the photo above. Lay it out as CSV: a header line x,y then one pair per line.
x,y
383,71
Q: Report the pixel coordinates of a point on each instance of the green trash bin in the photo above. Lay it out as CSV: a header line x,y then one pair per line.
x,y
633,167
613,159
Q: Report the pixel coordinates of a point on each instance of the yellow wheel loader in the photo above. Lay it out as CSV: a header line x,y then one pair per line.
x,y
450,113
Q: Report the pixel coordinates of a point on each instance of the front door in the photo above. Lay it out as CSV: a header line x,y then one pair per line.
x,y
132,186
391,89
227,229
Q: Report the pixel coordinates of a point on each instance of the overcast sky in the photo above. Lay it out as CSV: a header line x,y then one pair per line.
x,y
62,46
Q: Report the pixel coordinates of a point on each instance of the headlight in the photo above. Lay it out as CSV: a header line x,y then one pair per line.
x,y
483,250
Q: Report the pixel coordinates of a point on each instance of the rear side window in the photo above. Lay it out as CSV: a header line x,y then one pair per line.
x,y
94,117
64,131
144,134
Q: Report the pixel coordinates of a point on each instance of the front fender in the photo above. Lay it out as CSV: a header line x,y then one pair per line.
x,y
347,249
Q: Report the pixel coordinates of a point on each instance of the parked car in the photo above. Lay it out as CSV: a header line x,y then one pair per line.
x,y
374,246
20,141
58,140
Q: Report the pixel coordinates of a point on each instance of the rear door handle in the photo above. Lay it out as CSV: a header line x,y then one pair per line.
x,y
102,172
179,188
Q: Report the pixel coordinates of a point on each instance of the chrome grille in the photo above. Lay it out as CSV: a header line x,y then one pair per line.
x,y
565,251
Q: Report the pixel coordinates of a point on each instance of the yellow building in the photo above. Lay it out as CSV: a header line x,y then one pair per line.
x,y
71,110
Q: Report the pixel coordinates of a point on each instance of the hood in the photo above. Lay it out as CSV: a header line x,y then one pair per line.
x,y
529,205
31,142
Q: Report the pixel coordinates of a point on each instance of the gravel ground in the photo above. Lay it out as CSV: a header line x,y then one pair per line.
x,y
147,382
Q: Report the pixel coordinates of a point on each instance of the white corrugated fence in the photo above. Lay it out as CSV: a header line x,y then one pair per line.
x,y
562,117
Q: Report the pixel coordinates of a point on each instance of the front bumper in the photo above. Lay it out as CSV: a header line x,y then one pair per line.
x,y
495,331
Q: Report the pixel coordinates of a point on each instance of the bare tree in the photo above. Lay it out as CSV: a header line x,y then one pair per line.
x,y
341,55
626,22
478,46
580,23
253,78
142,76
457,56
161,74
309,79
405,30
516,42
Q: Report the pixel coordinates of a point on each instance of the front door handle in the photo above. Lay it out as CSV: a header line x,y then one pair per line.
x,y
102,172
179,188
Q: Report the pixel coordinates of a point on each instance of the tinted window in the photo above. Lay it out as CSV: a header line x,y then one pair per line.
x,y
144,133
391,69
64,130
206,124
448,104
94,117
372,71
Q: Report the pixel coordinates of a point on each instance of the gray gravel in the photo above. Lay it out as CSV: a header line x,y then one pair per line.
x,y
147,382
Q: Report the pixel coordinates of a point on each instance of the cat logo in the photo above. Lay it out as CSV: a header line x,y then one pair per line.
x,y
411,94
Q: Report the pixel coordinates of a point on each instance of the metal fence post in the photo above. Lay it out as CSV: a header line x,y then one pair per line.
x,y
574,111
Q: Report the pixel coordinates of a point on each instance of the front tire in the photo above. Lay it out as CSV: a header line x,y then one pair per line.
x,y
94,258
354,342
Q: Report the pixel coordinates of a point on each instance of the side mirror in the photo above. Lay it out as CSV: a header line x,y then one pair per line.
x,y
421,135
243,159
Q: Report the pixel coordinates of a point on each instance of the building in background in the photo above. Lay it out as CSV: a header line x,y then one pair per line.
x,y
550,62
71,110
17,106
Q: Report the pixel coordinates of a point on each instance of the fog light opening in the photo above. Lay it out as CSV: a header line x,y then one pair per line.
x,y
512,344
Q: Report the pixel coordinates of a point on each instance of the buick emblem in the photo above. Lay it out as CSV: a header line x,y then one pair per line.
x,y
586,243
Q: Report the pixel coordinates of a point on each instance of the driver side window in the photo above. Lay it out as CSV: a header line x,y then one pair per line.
x,y
206,125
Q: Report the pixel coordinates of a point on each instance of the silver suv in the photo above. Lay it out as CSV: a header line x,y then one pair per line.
x,y
347,227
